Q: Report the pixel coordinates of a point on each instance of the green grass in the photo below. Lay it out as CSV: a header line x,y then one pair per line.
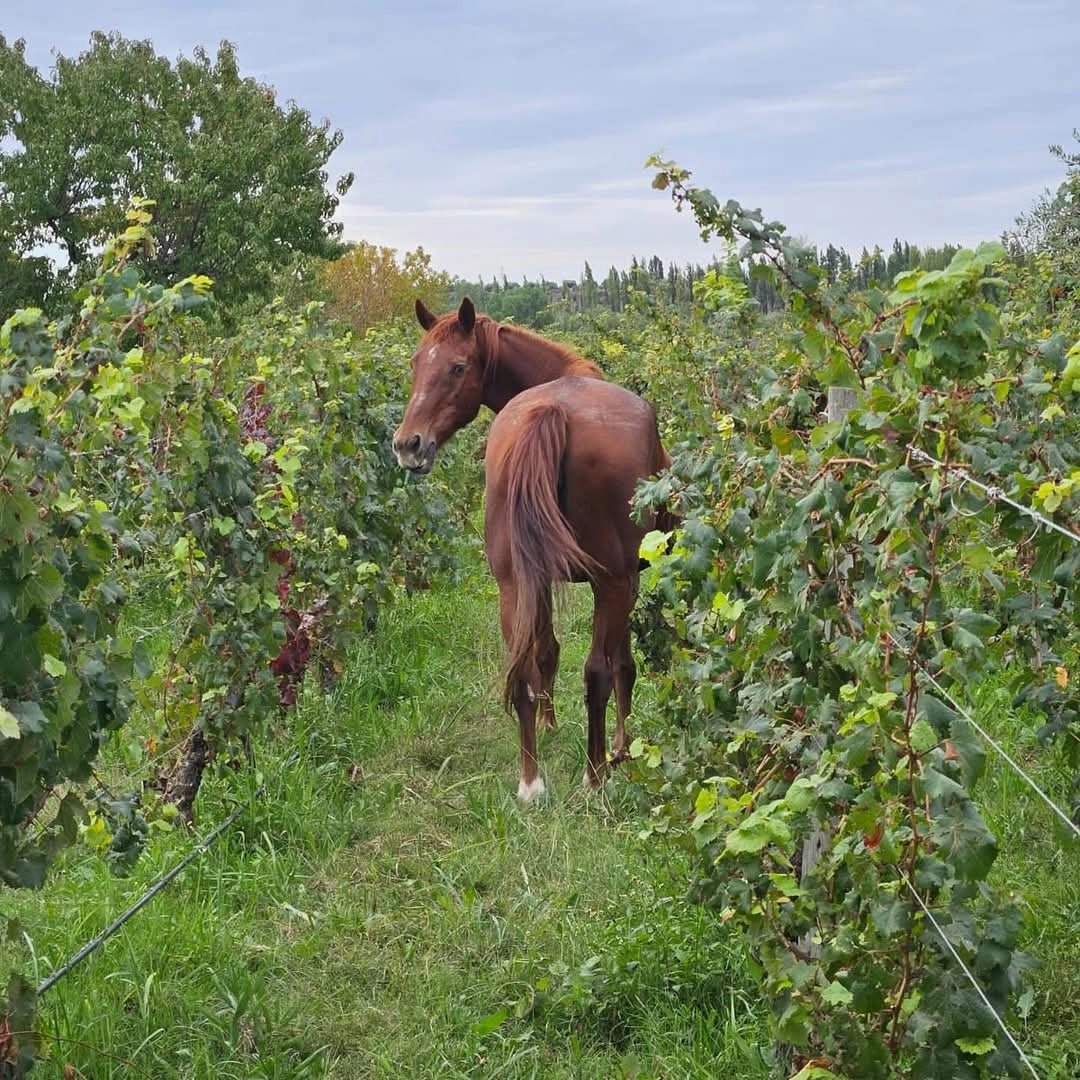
x,y
388,909
1039,864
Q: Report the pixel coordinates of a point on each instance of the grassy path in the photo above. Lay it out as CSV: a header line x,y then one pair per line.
x,y
389,910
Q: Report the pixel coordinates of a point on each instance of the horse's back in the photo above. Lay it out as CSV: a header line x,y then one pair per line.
x,y
611,443
609,428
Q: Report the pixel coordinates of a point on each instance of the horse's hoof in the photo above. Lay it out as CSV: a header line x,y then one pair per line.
x,y
590,781
528,792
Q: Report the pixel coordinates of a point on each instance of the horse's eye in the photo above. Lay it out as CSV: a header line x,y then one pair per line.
x,y
457,370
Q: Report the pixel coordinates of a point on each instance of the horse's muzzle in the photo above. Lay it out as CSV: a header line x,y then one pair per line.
x,y
414,453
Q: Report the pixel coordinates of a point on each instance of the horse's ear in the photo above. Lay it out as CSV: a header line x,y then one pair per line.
x,y
425,317
466,315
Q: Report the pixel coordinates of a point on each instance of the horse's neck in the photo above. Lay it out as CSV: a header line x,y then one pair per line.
x,y
520,361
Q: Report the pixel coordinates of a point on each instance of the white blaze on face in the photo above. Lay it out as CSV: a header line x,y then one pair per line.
x,y
416,402
420,398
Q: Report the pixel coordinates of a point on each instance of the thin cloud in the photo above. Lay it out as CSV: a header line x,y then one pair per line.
x,y
849,94
512,136
1005,198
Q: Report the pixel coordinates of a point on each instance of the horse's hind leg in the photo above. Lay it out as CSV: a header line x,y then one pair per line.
x,y
524,699
547,661
605,668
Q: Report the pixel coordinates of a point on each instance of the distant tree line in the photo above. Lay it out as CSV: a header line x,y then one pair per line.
x,y
540,302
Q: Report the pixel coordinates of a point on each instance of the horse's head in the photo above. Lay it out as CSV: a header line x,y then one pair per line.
x,y
447,385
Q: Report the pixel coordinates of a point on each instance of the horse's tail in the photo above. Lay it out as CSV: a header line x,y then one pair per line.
x,y
543,548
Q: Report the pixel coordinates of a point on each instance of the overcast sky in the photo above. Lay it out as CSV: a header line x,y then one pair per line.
x,y
510,136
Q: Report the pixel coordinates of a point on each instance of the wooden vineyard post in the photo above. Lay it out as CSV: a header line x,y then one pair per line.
x,y
842,399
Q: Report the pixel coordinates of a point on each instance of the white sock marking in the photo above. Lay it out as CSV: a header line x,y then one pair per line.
x,y
528,792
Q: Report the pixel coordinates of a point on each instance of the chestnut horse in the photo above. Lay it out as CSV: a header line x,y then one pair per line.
x,y
563,457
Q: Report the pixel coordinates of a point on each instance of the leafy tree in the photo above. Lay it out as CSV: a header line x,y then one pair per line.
x,y
239,181
368,284
614,290
526,302
23,278
590,294
1050,230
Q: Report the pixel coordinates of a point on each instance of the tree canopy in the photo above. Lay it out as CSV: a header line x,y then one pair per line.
x,y
239,181
1051,228
369,284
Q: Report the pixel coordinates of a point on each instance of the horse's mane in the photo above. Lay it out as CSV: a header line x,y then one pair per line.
x,y
576,364
490,334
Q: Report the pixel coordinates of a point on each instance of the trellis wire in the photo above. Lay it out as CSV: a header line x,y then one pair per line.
x,y
990,739
1004,753
96,942
971,978
993,493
